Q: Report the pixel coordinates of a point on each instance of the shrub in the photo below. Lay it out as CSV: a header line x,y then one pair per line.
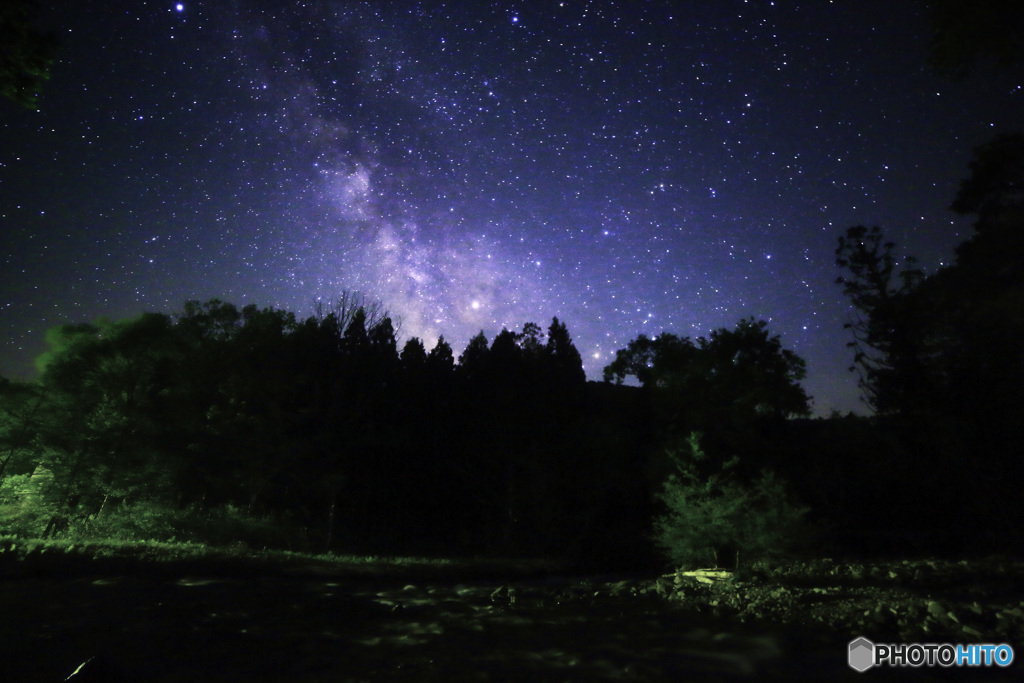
x,y
140,521
23,510
222,526
713,515
229,525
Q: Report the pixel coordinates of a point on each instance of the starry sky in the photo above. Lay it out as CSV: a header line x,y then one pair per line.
x,y
630,167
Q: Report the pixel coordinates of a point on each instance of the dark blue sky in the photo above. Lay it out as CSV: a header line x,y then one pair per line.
x,y
628,167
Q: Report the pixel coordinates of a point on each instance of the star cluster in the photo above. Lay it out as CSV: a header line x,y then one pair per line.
x,y
628,167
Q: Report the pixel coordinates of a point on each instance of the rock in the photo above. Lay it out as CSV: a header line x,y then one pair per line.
x,y
708,575
504,595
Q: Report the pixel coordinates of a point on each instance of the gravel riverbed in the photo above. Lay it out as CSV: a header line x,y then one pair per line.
x,y
790,623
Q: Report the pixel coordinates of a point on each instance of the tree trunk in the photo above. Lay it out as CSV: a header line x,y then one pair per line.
x,y
330,518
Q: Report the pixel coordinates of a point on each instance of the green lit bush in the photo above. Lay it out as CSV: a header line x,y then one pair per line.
x,y
23,510
715,518
223,526
142,521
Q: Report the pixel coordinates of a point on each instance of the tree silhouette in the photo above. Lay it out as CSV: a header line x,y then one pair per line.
x,y
887,347
440,359
356,340
939,355
414,355
505,355
474,359
566,364
966,31
652,362
104,385
994,193
977,304
155,424
730,379
26,54
751,370
745,364
531,339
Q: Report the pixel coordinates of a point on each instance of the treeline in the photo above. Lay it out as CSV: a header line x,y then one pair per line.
x,y
321,426
940,360
224,424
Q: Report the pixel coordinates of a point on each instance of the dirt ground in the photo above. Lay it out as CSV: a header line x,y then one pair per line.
x,y
312,626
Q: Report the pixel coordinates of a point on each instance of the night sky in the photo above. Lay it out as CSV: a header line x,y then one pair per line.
x,y
629,167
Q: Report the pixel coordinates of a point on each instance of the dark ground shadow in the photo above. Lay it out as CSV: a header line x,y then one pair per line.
x,y
322,628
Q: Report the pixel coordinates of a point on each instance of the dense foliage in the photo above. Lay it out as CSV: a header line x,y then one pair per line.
x,y
732,377
26,53
715,519
316,432
219,424
939,354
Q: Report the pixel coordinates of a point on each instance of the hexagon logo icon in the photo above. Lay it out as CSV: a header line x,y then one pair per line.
x,y
862,654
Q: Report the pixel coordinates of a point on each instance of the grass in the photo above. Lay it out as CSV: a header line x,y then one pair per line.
x,y
20,556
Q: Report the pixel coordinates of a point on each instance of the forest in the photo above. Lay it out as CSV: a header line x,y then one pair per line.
x,y
224,425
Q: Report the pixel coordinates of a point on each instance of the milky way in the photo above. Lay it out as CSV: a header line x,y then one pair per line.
x,y
628,167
